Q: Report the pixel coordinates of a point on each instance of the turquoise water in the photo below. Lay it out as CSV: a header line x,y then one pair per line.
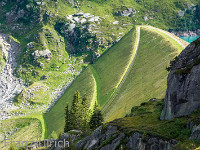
x,y
189,38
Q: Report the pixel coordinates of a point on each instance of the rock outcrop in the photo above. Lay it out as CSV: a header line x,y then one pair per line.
x,y
10,85
186,33
183,84
128,12
111,138
19,14
45,53
195,133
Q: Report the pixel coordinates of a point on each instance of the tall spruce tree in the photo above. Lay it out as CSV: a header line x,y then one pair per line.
x,y
76,111
85,112
68,125
79,115
97,117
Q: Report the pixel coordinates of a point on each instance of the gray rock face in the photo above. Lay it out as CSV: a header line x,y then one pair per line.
x,y
92,141
127,12
114,139
183,83
187,33
10,85
195,133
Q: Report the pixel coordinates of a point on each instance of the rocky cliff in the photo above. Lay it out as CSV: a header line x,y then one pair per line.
x,y
183,84
10,85
111,138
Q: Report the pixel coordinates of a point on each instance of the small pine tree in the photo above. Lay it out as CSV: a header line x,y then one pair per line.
x,y
97,117
67,119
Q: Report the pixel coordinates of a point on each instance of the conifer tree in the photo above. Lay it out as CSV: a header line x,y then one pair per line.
x,y
97,117
67,119
76,111
85,112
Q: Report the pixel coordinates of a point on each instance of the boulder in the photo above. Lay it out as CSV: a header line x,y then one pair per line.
x,y
71,27
128,12
45,53
181,13
30,45
83,21
195,133
183,83
21,13
116,22
146,18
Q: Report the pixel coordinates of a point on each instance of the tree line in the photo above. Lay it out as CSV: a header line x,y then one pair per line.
x,y
80,116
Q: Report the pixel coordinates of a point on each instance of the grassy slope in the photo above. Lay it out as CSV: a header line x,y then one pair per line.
x,y
164,13
145,119
106,73
29,129
112,65
106,8
148,77
85,83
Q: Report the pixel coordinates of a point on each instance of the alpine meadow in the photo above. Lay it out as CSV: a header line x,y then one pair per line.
x,y
99,74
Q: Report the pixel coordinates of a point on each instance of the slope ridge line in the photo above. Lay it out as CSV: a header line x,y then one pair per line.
x,y
133,60
126,72
97,86
168,34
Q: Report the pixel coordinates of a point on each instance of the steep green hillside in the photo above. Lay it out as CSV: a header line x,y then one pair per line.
x,y
112,66
144,80
85,84
49,60
148,77
101,77
43,25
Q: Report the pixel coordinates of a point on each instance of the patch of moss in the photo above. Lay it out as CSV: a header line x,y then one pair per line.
x,y
182,71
